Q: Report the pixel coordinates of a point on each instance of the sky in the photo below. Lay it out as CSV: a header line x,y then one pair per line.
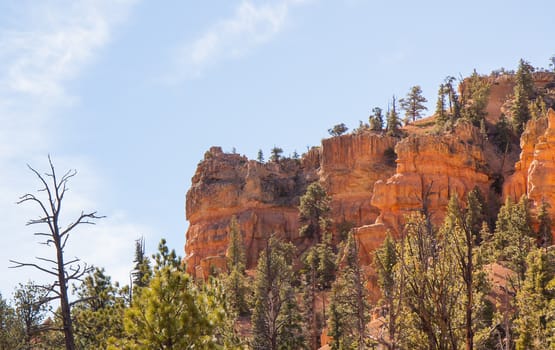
x,y
131,93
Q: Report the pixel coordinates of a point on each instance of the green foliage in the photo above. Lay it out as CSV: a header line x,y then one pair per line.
x,y
260,156
535,324
173,312
349,308
31,306
376,119
275,154
544,225
11,330
393,121
523,92
447,112
513,237
275,318
236,281
440,113
338,130
99,314
502,138
314,209
475,98
413,104
142,272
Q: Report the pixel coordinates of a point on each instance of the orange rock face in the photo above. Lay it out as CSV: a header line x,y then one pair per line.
x,y
534,174
430,169
264,197
350,165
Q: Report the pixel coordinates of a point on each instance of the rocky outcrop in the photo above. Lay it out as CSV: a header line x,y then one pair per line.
x,y
350,165
534,173
430,169
264,196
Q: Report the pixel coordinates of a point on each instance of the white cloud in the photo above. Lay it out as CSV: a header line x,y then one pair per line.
x,y
47,45
251,25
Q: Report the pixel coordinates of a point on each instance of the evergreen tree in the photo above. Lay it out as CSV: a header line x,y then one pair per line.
x,y
275,154
535,324
11,330
172,312
393,122
376,119
236,281
349,309
142,272
260,156
99,315
453,99
274,307
513,237
523,92
31,306
440,114
338,130
475,98
318,273
385,260
314,211
413,104
432,289
544,227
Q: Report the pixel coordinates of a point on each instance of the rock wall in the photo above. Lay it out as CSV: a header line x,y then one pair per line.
x,y
265,197
534,173
430,169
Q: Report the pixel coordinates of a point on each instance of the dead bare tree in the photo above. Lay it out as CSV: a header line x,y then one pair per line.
x,y
50,203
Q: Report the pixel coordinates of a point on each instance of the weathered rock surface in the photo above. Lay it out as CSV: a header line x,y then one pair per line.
x,y
534,173
265,197
430,169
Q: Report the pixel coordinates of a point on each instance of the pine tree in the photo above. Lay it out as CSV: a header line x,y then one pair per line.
x,y
544,227
99,315
535,324
349,309
376,119
260,156
314,211
31,306
475,98
142,272
274,307
12,333
338,130
275,154
236,281
172,312
393,122
440,114
413,104
385,260
523,92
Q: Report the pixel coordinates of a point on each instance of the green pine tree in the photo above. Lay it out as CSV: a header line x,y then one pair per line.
x,y
413,104
535,324
523,92
349,308
236,280
393,121
274,307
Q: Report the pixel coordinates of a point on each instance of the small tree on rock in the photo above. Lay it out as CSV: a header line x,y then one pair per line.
x,y
413,104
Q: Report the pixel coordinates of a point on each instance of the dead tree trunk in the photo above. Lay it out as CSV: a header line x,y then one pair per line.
x,y
50,204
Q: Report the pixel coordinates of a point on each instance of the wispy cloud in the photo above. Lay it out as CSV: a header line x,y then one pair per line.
x,y
46,46
251,25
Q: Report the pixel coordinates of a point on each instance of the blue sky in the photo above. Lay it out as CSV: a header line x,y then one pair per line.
x,y
132,93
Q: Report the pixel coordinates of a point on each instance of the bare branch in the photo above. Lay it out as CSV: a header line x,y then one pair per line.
x,y
83,219
47,260
20,264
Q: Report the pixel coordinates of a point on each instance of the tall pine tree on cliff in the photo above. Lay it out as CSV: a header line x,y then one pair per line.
x,y
413,104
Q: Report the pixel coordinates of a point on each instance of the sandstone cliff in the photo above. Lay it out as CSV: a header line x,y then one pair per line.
x,y
534,173
373,179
